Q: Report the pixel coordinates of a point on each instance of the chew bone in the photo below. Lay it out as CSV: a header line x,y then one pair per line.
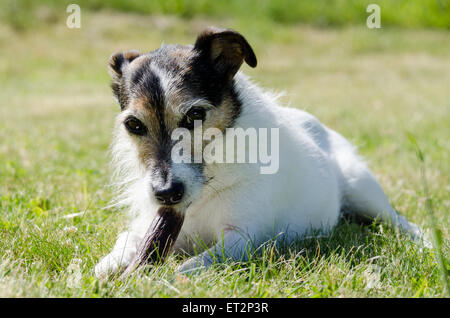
x,y
158,239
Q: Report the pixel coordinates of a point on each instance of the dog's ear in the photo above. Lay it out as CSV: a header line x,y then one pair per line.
x,y
226,49
118,61
117,64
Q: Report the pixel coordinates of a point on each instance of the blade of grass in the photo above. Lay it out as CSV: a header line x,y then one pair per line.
x,y
437,235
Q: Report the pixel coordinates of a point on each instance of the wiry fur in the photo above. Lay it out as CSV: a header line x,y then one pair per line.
x,y
232,207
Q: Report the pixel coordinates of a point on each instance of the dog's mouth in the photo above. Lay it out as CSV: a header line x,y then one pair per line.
x,y
159,238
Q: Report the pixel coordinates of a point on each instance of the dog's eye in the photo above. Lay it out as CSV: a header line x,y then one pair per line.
x,y
195,113
135,126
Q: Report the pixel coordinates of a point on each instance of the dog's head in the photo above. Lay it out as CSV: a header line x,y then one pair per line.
x,y
170,88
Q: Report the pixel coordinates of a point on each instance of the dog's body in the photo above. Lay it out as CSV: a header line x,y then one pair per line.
x,y
231,207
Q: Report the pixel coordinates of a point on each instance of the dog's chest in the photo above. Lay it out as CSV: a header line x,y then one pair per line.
x,y
205,222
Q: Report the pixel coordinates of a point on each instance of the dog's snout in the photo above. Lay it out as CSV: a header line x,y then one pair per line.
x,y
169,195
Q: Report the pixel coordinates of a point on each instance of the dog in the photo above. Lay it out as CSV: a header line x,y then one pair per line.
x,y
230,208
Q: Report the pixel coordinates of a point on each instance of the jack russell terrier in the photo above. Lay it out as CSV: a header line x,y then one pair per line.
x,y
227,208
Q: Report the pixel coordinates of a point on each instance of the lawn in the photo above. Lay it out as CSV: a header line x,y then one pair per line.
x,y
56,120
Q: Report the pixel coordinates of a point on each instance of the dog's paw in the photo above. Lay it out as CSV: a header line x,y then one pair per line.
x,y
418,237
110,265
194,265
189,268
423,243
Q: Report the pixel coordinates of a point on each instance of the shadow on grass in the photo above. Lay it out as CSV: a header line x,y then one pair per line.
x,y
352,242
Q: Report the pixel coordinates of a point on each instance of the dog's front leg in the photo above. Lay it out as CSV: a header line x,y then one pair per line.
x,y
232,245
120,256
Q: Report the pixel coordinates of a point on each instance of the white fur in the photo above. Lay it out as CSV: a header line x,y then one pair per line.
x,y
240,209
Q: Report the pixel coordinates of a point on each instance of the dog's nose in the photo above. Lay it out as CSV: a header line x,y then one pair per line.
x,y
169,195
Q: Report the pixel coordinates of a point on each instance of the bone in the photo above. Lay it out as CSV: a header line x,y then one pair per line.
x,y
158,240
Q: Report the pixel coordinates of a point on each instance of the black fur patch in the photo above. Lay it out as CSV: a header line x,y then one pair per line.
x,y
146,83
205,81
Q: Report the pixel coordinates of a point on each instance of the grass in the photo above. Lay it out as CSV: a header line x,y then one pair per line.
x,y
56,119
323,13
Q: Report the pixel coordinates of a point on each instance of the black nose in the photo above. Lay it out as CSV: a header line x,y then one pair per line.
x,y
169,195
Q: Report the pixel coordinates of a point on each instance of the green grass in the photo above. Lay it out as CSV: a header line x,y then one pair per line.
x,y
56,119
324,13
